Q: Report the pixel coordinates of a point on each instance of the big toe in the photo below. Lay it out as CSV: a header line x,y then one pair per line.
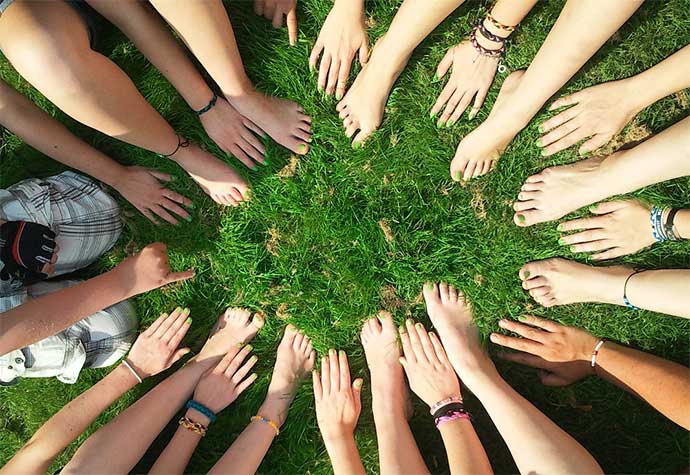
x,y
289,334
458,166
431,293
528,217
386,320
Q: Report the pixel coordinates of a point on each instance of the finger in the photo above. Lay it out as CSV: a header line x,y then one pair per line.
x,y
594,142
357,393
323,70
611,206
445,64
316,380
519,344
560,119
478,102
428,348
154,326
558,133
600,245
334,370
460,109
543,323
259,7
364,52
453,102
254,128
332,81
253,146
178,276
160,211
242,156
343,74
406,345
446,94
223,364
277,21
314,56
567,100
245,384
179,354
552,379
176,197
344,370
292,26
582,237
237,360
170,205
176,326
167,322
524,330
176,339
438,348
159,175
415,344
571,139
525,359
242,371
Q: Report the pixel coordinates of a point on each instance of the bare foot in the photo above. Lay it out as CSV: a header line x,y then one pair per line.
x,y
480,149
283,120
380,341
218,179
557,191
363,105
294,360
451,315
234,327
561,282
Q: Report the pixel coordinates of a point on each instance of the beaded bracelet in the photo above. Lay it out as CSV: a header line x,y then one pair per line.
x,y
195,427
201,409
267,422
595,352
450,400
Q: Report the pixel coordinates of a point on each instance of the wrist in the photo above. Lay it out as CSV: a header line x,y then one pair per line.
x,y
639,92
586,348
336,436
129,380
117,178
196,416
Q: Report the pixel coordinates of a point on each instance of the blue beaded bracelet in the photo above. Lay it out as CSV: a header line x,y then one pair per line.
x,y
197,406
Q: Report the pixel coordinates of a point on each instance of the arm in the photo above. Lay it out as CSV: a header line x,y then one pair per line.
x,y
152,353
564,355
47,315
663,291
344,455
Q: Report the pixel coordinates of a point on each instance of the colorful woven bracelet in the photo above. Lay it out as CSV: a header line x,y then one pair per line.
x,y
195,427
492,53
200,408
451,416
500,25
267,422
208,107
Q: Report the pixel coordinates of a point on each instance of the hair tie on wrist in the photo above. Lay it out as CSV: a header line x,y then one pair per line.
x,y
201,409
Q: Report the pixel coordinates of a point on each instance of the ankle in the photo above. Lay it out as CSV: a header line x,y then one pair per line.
x,y
387,60
609,286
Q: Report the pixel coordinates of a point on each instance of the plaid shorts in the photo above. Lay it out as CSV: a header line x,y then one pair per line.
x,y
87,223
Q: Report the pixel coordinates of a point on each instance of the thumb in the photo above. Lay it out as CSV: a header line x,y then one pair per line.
x,y
552,379
178,276
357,391
445,64
179,354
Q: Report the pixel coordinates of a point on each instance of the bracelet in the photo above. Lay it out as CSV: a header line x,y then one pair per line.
x,y
500,25
595,352
669,227
626,300
195,427
208,107
439,405
450,412
267,422
488,35
127,365
201,409
492,53
181,143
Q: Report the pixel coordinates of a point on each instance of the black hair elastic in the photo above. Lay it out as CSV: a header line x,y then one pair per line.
x,y
669,227
181,143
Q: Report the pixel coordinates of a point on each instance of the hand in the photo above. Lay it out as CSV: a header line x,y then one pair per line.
x,y
220,386
549,340
156,349
149,269
471,77
619,228
234,133
275,10
599,112
338,402
342,35
141,187
552,374
428,370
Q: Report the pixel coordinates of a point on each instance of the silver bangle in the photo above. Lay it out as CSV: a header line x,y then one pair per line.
x,y
124,362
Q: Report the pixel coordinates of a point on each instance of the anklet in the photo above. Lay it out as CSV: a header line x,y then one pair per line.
x,y
500,25
267,422
208,107
445,402
626,300
181,143
201,409
669,226
595,352
195,427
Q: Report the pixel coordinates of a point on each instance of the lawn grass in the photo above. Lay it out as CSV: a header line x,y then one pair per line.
x,y
309,248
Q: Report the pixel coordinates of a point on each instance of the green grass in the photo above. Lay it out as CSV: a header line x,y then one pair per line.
x,y
332,265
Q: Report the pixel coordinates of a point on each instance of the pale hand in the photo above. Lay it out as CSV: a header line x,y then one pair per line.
x,y
552,374
143,189
342,36
221,386
156,349
471,77
275,10
618,228
148,270
337,399
598,113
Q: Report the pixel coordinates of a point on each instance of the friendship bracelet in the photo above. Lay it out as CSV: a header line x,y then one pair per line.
x,y
181,143
201,409
195,427
127,365
595,352
451,416
626,300
450,400
500,25
267,422
492,53
488,35
208,107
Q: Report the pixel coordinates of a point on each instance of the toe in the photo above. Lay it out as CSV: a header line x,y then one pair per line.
x,y
305,344
528,218
361,138
530,284
297,341
457,168
528,195
344,112
386,320
238,315
289,334
443,291
351,129
258,321
539,292
524,205
452,294
431,293
469,170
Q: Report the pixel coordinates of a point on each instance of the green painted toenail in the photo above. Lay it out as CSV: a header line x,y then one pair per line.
x,y
302,148
338,95
573,249
265,162
255,168
189,219
538,142
429,286
356,145
544,153
541,129
561,241
440,124
401,329
191,206
593,208
435,78
522,318
521,218
450,123
527,274
559,227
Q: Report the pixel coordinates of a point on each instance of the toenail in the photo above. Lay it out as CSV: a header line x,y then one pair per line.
x,y
561,241
521,218
573,249
593,208
522,318
538,142
527,274
338,95
559,227
450,123
356,145
429,286
255,168
435,78
458,175
401,329
544,153
541,131
302,148
191,205
493,337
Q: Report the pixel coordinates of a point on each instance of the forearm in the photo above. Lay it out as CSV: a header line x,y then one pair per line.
x,y
663,384
344,455
245,454
667,77
118,446
36,456
47,315
664,291
175,457
38,129
466,455
155,41
536,443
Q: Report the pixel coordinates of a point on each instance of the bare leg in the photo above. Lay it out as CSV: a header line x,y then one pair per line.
x,y
362,107
557,191
561,282
48,44
205,28
563,53
398,451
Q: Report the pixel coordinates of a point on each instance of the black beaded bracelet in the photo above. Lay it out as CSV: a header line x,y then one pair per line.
x,y
208,107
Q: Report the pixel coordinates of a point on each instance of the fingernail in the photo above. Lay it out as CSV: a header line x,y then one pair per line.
x,y
254,358
173,178
538,142
356,145
341,353
419,325
401,329
188,321
522,318
450,123
332,352
266,162
502,323
191,206
440,124
521,218
338,95
561,241
358,384
493,337
255,168
320,89
310,139
544,153
527,274
541,129
249,347
178,309
432,115
239,344
593,208
559,227
572,248
472,115
435,78
253,376
188,219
